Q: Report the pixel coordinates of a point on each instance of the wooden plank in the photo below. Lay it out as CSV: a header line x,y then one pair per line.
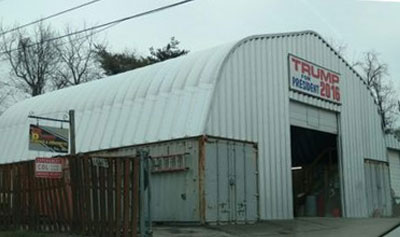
x,y
12,193
26,189
43,205
60,204
67,193
21,206
3,217
22,194
2,196
78,194
135,197
61,215
4,204
33,198
102,199
74,184
63,186
75,190
126,197
16,197
110,197
72,190
52,212
49,203
56,205
118,197
95,186
7,185
88,225
29,198
9,197
66,190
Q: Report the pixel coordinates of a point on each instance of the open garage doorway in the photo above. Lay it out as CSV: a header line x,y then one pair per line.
x,y
315,173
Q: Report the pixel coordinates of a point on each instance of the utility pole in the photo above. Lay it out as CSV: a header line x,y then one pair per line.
x,y
72,131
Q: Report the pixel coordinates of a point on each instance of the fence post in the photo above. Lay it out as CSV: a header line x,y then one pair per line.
x,y
141,194
144,167
72,131
149,217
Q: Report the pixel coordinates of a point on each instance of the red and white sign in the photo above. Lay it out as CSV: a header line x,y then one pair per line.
x,y
312,79
50,168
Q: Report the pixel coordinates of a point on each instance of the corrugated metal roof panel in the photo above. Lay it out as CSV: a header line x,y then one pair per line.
x,y
163,101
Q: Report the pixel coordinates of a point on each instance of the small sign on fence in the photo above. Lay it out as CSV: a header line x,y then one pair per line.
x,y
50,168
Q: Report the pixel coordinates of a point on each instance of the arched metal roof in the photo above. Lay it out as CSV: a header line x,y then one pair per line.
x,y
159,102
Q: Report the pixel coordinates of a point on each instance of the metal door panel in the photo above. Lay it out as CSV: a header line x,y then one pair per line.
x,y
310,117
223,182
211,184
251,183
377,187
394,163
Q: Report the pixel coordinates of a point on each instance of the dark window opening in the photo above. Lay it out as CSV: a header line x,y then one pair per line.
x,y
315,173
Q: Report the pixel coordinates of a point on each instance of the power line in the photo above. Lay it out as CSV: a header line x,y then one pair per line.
x,y
115,22
106,25
48,17
62,43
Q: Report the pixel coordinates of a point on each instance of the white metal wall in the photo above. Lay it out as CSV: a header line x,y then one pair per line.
x,y
312,117
394,165
251,102
377,184
392,142
231,181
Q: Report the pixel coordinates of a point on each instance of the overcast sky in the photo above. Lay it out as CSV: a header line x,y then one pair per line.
x,y
362,25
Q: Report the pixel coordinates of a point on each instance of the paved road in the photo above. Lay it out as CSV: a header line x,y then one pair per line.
x,y
299,227
394,233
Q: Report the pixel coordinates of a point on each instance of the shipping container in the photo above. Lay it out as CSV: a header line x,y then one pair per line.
x,y
201,180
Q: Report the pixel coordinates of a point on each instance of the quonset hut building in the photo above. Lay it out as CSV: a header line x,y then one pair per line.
x,y
268,127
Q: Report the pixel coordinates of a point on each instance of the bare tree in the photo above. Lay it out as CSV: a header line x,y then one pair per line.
x,y
339,46
8,94
78,62
5,92
375,75
31,56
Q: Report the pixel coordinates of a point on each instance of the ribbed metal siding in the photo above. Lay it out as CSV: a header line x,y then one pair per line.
x,y
392,142
251,102
377,184
394,167
249,105
231,181
311,117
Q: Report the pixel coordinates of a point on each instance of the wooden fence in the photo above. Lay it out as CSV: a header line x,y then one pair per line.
x,y
94,197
